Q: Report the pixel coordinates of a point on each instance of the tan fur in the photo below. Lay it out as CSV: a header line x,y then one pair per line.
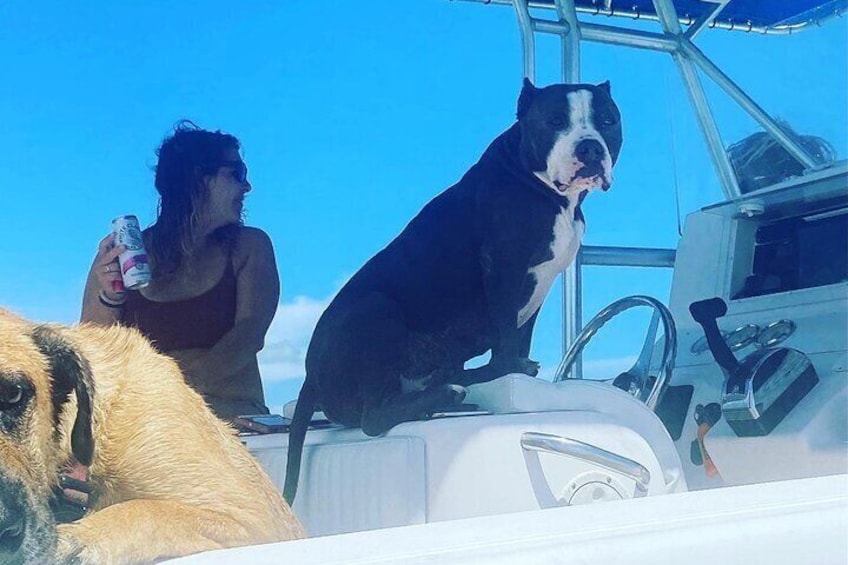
x,y
170,478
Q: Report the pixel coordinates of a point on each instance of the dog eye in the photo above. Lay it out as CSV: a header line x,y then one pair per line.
x,y
10,395
556,122
609,121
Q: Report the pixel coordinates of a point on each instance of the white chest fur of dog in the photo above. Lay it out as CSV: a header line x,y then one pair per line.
x,y
566,238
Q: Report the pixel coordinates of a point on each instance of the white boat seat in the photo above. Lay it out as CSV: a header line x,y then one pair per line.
x,y
462,467
517,393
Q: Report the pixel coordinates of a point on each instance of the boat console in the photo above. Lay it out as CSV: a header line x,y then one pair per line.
x,y
776,258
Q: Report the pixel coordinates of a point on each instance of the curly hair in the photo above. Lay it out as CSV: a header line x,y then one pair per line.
x,y
185,158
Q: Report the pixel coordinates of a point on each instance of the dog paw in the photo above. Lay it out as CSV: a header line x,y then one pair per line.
x,y
455,394
444,397
69,549
528,367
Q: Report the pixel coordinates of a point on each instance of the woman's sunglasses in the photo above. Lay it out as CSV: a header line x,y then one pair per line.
x,y
239,170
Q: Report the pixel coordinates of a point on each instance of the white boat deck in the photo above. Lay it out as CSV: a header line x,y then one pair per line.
x,y
802,521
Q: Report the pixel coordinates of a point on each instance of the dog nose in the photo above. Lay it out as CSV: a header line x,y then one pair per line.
x,y
12,528
12,521
589,151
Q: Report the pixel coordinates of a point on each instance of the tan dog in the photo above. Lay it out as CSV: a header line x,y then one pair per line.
x,y
168,477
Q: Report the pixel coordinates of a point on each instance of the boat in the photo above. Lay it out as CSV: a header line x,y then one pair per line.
x,y
726,442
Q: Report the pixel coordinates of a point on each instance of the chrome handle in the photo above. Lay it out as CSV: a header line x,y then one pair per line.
x,y
558,445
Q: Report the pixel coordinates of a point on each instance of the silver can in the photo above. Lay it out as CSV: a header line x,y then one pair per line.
x,y
135,267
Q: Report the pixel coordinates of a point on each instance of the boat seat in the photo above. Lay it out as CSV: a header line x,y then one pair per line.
x,y
462,467
518,393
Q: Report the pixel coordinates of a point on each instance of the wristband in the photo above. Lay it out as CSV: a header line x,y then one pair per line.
x,y
110,302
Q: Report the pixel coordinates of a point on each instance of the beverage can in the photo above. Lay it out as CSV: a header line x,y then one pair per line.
x,y
135,267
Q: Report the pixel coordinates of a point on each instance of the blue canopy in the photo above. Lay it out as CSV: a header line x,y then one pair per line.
x,y
762,15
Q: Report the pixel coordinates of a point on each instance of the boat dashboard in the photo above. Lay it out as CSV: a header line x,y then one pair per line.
x,y
777,258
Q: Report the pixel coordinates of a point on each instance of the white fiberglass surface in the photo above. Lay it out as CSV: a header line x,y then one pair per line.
x,y
783,522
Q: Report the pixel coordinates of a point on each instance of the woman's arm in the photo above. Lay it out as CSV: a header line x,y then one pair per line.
x,y
104,277
257,296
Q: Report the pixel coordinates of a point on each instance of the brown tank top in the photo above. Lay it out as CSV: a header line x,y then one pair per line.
x,y
197,322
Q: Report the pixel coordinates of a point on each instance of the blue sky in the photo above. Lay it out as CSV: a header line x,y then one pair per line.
x,y
352,116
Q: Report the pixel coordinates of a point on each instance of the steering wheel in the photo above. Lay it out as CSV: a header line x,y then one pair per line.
x,y
636,378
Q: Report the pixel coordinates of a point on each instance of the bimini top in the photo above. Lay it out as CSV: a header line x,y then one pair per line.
x,y
777,17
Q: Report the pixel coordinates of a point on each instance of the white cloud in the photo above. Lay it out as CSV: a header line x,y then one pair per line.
x,y
604,369
595,369
288,338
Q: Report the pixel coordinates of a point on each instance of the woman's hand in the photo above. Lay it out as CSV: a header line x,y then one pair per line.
x,y
104,289
106,270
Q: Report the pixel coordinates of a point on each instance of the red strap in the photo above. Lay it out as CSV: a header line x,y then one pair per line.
x,y
709,466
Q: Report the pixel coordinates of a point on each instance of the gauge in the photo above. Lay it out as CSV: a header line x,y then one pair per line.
x,y
742,336
701,344
775,333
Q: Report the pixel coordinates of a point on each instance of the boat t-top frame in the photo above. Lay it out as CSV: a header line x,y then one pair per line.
x,y
672,16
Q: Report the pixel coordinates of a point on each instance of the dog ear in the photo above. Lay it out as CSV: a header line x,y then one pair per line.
x,y
525,99
69,371
605,86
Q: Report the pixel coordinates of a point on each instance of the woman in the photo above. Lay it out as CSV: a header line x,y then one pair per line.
x,y
215,286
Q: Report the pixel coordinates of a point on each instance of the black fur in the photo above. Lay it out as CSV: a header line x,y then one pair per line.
x,y
69,372
448,288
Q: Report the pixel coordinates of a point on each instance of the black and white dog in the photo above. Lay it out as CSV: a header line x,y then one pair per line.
x,y
467,275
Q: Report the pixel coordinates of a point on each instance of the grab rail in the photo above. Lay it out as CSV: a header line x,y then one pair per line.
x,y
558,445
606,256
